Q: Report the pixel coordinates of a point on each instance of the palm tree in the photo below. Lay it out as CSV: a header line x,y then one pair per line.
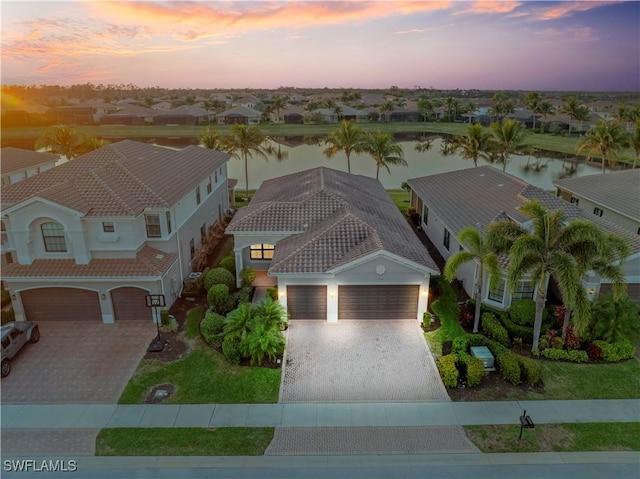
x,y
478,142
574,110
545,108
634,140
384,150
243,142
553,248
62,140
532,101
347,138
605,139
425,108
478,252
91,144
453,108
387,106
509,138
212,140
470,108
279,102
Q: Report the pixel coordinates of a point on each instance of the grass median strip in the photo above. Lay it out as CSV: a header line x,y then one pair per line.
x,y
230,441
557,437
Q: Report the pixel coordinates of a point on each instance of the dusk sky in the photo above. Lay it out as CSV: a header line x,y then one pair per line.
x,y
520,45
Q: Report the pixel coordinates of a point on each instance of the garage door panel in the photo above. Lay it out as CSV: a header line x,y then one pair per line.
x,y
378,302
307,302
61,304
129,304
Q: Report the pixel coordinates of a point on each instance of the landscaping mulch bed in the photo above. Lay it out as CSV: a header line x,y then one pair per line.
x,y
153,398
174,349
494,388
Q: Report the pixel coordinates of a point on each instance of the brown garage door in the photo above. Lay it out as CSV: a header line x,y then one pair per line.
x,y
129,303
307,302
378,302
61,304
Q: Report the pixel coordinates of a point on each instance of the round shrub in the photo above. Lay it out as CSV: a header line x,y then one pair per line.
x,y
231,351
219,276
228,263
619,351
523,311
212,326
448,370
219,299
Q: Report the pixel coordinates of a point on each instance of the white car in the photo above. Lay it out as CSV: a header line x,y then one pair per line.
x,y
14,336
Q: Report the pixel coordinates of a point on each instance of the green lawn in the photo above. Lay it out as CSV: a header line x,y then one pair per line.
x,y
557,437
446,307
400,199
231,441
204,376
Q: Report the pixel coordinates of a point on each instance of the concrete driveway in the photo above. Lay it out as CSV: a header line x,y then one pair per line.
x,y
77,362
359,361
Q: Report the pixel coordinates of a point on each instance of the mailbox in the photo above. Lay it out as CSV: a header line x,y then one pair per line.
x,y
525,423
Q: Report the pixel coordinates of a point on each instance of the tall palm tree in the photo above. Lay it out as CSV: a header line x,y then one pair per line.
x,y
478,252
384,150
574,110
545,108
509,137
279,102
532,101
425,108
605,139
478,142
91,144
552,248
347,138
386,107
243,142
62,140
634,140
470,108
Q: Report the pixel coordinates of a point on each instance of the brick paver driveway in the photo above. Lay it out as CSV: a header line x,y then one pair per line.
x,y
77,362
359,361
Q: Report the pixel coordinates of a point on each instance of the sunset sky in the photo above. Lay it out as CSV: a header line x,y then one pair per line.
x,y
523,45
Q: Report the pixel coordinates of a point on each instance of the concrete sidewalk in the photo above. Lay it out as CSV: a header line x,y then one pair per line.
x,y
98,416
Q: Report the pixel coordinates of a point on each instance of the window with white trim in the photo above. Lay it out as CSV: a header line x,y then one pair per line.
x,y
447,239
497,294
574,200
597,211
53,237
152,223
261,251
108,227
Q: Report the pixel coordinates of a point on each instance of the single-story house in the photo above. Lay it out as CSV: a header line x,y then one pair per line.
x,y
239,115
448,202
184,115
337,246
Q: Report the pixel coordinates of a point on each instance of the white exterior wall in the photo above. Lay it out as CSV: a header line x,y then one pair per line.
x,y
19,175
241,244
608,214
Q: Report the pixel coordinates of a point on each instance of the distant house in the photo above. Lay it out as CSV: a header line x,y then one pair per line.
x,y
72,115
130,115
239,115
477,197
247,101
614,196
348,113
292,115
89,239
337,247
184,115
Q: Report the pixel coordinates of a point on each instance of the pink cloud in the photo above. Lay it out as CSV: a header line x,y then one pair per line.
x,y
554,11
486,7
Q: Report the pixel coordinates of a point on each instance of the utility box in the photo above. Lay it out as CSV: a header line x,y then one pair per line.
x,y
482,352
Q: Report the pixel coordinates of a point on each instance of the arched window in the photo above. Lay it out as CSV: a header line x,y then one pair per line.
x,y
53,237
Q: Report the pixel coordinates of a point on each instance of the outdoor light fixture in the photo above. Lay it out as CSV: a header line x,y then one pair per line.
x,y
103,296
13,296
591,291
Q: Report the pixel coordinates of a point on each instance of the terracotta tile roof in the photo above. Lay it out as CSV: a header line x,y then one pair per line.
x,y
149,262
337,217
16,159
618,190
121,179
479,196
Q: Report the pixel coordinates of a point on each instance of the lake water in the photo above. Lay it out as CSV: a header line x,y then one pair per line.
x,y
431,162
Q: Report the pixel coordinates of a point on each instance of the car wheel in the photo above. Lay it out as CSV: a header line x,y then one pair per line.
x,y
6,367
35,335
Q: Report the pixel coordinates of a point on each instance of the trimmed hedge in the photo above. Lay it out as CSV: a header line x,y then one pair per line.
x,y
509,367
530,371
231,351
493,329
272,293
219,276
219,299
575,356
448,370
614,352
243,295
228,263
212,326
515,330
523,312
247,276
473,368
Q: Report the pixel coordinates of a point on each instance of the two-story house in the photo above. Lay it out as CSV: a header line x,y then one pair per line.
x,y
88,240
613,196
476,197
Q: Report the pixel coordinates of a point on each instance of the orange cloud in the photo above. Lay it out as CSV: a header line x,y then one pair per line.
x,y
555,11
485,7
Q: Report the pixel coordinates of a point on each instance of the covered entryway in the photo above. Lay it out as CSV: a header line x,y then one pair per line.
x,y
307,302
378,302
61,304
129,303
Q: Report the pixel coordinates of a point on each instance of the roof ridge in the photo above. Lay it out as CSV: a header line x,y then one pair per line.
x,y
115,195
141,183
